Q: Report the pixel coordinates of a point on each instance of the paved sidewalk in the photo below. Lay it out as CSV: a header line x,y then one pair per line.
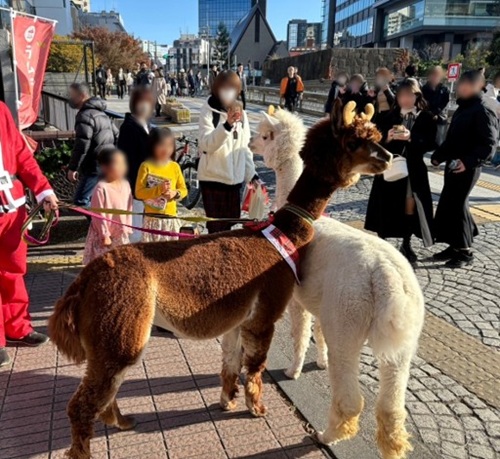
x,y
174,394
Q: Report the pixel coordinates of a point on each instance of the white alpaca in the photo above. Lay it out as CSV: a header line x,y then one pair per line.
x,y
361,288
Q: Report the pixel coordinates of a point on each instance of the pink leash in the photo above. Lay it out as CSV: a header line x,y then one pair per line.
x,y
144,230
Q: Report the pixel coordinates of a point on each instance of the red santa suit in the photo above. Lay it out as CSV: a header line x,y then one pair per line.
x,y
18,169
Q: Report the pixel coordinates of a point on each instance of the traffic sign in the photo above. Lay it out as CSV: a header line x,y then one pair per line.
x,y
454,71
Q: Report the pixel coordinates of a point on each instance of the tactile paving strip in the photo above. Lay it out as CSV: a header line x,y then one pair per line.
x,y
462,358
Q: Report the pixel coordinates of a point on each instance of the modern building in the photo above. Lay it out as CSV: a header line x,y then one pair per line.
x,y
110,20
452,24
299,32
354,23
213,12
253,41
59,10
327,22
188,52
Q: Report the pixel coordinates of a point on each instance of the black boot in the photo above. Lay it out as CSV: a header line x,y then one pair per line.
x,y
446,254
407,250
460,259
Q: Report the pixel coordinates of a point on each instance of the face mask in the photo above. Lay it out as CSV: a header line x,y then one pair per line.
x,y
143,109
341,81
227,96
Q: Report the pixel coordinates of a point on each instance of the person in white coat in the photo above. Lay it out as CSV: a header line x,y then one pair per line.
x,y
226,162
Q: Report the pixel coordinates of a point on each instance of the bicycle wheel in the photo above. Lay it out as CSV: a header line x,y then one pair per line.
x,y
190,172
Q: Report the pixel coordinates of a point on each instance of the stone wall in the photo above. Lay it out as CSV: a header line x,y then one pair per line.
x,y
314,66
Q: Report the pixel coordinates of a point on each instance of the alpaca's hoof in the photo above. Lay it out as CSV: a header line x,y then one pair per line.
x,y
72,453
228,405
344,431
127,423
322,363
318,436
293,373
395,445
258,411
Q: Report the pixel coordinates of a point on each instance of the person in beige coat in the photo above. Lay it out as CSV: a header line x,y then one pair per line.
x,y
159,89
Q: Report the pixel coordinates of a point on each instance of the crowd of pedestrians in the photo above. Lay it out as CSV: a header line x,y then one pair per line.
x,y
413,118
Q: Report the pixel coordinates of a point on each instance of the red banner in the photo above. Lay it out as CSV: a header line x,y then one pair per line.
x,y
32,38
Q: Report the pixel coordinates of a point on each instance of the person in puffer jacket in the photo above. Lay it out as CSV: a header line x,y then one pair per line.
x,y
93,131
226,161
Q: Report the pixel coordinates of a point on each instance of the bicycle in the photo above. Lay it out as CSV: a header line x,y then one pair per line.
x,y
188,160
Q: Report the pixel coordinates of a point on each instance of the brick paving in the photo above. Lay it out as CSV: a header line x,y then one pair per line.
x,y
173,393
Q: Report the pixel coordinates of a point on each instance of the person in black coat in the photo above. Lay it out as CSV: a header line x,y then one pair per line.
x,y
93,131
357,91
134,142
404,208
437,96
471,139
337,89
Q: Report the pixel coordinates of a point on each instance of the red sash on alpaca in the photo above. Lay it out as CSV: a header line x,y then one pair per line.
x,y
284,246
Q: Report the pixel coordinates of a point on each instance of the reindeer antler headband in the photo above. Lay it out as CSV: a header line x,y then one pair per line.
x,y
349,113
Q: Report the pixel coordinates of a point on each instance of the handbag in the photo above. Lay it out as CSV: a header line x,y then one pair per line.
x,y
397,171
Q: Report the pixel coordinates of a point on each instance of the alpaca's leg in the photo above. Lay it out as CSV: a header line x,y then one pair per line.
x,y
231,368
301,334
344,348
96,391
321,348
256,343
392,437
112,417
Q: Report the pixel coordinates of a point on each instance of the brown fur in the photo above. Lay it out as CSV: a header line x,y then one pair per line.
x,y
231,283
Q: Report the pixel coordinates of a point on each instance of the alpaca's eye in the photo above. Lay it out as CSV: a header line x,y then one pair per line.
x,y
264,137
353,145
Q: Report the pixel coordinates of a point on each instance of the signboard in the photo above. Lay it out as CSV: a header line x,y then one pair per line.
x,y
454,71
32,37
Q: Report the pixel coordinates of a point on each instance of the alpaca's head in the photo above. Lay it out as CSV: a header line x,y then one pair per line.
x,y
347,145
280,137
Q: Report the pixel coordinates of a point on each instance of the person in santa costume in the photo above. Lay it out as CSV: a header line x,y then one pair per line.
x,y
18,169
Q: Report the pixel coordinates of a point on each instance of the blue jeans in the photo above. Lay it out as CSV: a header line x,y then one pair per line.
x,y
496,158
84,190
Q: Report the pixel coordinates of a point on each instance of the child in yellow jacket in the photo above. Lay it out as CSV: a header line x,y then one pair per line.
x,y
160,184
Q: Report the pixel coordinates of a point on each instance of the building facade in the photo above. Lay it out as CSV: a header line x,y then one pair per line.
x,y
188,52
354,23
110,20
300,33
84,5
212,12
327,22
452,24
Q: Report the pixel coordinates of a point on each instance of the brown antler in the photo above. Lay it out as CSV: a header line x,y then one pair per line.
x,y
367,115
349,113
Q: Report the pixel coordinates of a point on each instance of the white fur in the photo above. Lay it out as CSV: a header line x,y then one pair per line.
x,y
361,288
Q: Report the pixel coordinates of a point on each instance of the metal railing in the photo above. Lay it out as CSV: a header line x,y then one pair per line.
x,y
312,103
55,111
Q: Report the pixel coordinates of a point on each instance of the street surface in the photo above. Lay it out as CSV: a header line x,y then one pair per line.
x,y
453,399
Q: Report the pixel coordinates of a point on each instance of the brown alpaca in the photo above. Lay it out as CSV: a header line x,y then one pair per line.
x,y
233,284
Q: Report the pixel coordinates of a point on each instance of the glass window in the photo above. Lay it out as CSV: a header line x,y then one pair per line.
x,y
352,9
404,18
360,28
459,8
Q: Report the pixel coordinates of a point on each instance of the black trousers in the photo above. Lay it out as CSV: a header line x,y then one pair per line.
x,y
121,89
291,103
101,87
453,222
243,98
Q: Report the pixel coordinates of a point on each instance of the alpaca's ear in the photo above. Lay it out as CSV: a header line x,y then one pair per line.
x,y
336,117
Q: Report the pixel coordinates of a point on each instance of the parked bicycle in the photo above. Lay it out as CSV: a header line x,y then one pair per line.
x,y
187,157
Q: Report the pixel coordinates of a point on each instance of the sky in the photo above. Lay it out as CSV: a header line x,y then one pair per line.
x,y
163,20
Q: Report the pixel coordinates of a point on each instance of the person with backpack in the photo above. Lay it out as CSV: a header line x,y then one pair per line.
x,y
226,162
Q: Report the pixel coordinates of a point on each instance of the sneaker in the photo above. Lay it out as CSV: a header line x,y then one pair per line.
x,y
446,254
460,260
4,357
409,253
33,339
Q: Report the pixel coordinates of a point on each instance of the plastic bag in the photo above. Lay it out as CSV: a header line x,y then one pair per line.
x,y
255,201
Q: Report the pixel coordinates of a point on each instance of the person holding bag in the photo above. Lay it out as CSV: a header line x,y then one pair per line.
x,y
226,162
401,206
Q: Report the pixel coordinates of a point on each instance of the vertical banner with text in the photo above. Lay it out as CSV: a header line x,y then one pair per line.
x,y
32,37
